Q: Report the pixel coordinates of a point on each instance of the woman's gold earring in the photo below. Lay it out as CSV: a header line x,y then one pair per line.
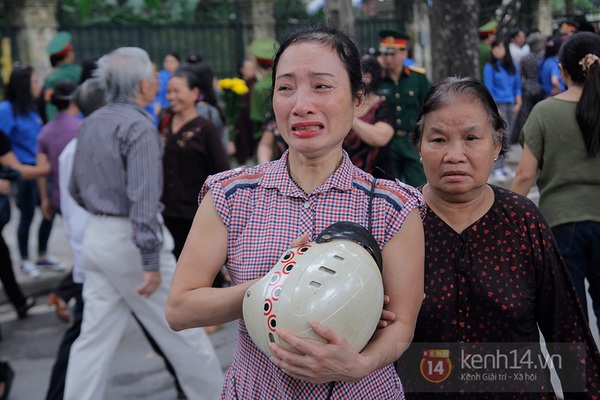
x,y
421,160
495,159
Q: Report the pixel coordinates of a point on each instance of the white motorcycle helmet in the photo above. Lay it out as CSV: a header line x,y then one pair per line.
x,y
335,280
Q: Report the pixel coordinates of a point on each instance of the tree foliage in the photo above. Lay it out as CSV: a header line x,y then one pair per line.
x,y
144,11
580,7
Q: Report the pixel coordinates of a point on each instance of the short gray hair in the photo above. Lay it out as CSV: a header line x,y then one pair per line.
x,y
447,91
89,96
121,71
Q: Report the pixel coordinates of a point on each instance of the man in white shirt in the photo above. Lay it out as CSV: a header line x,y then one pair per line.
x,y
517,46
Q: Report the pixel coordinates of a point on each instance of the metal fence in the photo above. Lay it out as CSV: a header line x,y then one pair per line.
x,y
220,44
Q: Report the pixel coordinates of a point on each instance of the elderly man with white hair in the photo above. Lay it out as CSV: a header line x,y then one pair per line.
x,y
127,259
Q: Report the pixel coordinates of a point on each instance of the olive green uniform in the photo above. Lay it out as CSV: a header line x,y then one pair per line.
x,y
485,54
406,95
260,104
70,72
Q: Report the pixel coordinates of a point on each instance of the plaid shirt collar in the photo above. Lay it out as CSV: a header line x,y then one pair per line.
x,y
278,178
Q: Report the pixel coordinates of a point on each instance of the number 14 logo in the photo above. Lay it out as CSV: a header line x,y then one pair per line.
x,y
435,365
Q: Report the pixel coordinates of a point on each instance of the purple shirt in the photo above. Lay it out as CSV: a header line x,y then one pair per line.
x,y
53,138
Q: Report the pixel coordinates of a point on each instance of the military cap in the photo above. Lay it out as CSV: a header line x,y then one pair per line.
x,y
567,27
60,44
264,50
488,28
392,40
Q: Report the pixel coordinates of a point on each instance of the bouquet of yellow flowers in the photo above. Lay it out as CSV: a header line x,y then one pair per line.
x,y
231,90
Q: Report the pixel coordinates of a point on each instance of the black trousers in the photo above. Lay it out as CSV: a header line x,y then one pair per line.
x,y
7,275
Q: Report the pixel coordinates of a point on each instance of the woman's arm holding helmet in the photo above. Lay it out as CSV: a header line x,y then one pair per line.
x,y
403,263
192,301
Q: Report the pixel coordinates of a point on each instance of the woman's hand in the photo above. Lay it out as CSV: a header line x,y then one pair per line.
x,y
47,209
516,109
303,239
4,187
387,317
315,363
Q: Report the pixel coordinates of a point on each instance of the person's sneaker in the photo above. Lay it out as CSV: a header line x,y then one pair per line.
x,y
28,268
51,263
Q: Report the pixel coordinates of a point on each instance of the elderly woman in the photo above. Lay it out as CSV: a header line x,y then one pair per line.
x,y
248,217
493,274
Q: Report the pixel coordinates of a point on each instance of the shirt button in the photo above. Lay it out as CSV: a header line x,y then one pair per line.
x,y
398,108
398,121
397,95
462,271
411,93
306,204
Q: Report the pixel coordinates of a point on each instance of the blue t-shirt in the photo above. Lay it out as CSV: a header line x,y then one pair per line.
x,y
22,130
502,85
547,69
161,94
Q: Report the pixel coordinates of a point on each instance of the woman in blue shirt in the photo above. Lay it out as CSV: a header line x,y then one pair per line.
x,y
501,77
548,70
21,122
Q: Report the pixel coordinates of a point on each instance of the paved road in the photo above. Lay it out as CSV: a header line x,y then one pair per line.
x,y
136,372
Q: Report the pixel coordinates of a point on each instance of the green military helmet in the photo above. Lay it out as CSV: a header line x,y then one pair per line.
x,y
60,44
488,29
264,50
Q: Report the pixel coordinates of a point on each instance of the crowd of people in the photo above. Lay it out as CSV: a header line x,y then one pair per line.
x,y
174,207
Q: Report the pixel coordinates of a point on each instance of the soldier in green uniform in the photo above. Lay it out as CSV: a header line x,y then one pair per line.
x,y
62,58
262,50
405,87
487,35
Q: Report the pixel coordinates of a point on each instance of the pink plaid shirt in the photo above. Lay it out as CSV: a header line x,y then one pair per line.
x,y
264,212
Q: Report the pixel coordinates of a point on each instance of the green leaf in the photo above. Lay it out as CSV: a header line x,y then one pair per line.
x,y
152,4
84,7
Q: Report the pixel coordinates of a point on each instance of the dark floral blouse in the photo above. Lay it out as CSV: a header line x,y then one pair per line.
x,y
191,155
488,290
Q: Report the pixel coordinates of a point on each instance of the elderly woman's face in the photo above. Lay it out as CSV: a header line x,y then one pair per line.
x,y
457,147
312,99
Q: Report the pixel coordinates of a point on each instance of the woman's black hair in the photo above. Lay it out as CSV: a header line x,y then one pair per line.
x,y
507,62
189,76
447,91
370,65
88,68
337,40
552,47
172,54
203,77
573,51
18,91
62,94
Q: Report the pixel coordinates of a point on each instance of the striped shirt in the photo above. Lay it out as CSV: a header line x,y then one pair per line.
x,y
264,212
118,171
